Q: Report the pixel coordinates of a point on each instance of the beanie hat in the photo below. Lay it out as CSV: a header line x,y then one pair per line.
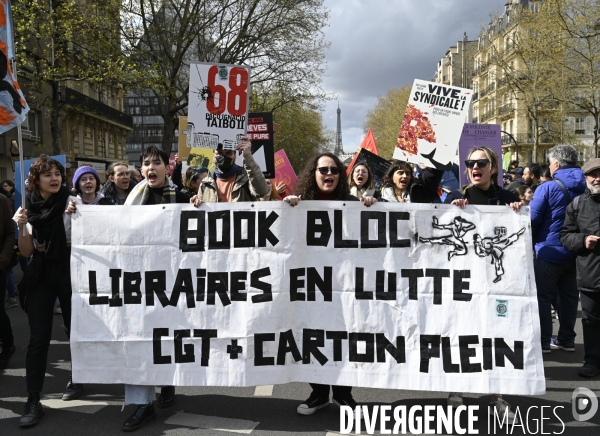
x,y
85,170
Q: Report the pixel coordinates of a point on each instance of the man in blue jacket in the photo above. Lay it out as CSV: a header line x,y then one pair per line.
x,y
554,265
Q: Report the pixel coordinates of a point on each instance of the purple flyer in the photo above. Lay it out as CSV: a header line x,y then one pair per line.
x,y
474,135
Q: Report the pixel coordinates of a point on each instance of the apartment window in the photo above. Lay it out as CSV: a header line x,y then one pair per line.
x,y
579,125
29,127
81,138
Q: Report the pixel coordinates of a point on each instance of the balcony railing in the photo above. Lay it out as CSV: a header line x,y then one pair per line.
x,y
491,88
528,138
502,82
475,120
488,114
506,109
146,139
77,99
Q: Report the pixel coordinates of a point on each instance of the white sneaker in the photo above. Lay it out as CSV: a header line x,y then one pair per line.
x,y
455,399
503,407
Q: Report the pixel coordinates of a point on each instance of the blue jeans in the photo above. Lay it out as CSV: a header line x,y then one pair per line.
x,y
10,284
557,281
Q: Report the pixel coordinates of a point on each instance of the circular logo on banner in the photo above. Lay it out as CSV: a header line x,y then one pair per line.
x,y
222,72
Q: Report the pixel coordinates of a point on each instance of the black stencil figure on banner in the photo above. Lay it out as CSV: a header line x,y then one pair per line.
x,y
437,165
494,246
234,349
459,227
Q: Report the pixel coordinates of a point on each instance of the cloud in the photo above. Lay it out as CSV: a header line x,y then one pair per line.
x,y
377,45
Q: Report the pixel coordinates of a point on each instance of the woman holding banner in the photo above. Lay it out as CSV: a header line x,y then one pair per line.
x,y
400,186
45,233
483,189
322,179
361,181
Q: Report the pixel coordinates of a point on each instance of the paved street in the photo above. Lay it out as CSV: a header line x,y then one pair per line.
x,y
261,411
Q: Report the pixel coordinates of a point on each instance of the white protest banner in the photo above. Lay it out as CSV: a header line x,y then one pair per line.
x,y
432,124
399,296
218,105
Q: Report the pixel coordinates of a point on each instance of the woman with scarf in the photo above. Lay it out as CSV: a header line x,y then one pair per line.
x,y
361,183
45,233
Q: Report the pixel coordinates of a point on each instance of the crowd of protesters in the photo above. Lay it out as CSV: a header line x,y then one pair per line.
x,y
563,200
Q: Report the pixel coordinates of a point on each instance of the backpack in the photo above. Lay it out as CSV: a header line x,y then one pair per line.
x,y
567,197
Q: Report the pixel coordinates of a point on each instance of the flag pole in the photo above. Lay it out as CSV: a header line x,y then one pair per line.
x,y
20,143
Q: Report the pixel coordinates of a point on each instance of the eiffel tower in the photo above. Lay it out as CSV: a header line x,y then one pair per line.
x,y
339,150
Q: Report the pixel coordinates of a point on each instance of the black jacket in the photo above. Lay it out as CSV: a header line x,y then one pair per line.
x,y
572,237
503,197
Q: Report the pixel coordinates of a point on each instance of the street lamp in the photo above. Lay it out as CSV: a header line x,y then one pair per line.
x,y
516,145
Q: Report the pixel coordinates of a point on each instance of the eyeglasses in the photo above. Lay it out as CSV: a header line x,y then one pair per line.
x,y
481,163
325,170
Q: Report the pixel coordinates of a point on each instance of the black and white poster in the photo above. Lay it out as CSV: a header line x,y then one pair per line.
x,y
398,296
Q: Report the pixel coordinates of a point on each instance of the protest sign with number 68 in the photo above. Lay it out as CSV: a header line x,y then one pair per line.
x,y
218,104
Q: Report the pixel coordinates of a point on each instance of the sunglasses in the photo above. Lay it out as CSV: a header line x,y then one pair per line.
x,y
481,163
325,170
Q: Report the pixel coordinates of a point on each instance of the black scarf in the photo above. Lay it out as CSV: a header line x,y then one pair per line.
x,y
48,226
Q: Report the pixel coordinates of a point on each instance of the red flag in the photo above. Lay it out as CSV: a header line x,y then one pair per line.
x,y
368,144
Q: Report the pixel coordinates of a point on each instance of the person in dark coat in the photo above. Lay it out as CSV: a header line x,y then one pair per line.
x,y
7,243
118,186
580,233
47,239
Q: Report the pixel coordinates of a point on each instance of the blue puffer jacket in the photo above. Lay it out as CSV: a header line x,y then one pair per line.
x,y
548,214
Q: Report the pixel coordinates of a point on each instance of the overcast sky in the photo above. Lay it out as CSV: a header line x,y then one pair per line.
x,y
381,44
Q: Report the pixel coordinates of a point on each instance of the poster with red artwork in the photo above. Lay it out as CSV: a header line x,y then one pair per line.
x,y
432,124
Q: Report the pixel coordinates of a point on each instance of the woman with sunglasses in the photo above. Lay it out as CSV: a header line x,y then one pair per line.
x,y
361,183
483,189
322,179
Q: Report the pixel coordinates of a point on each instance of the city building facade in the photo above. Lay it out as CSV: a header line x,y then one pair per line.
x,y
496,101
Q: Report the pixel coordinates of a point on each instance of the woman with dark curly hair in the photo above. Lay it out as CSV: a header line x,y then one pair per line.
x,y
397,182
45,233
400,186
323,178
